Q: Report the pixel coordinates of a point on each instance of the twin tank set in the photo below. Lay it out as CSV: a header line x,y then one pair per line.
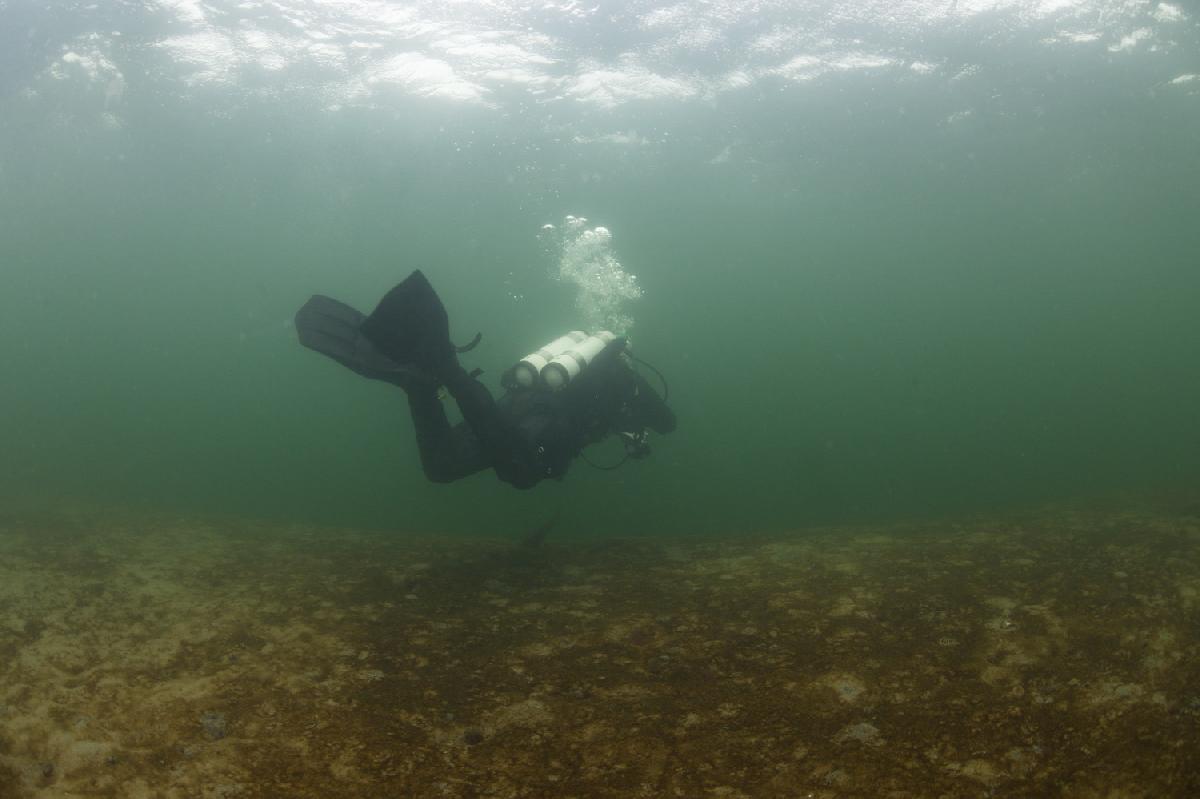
x,y
559,362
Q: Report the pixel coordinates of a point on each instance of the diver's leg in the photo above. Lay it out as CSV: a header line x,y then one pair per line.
x,y
411,322
497,440
410,325
447,453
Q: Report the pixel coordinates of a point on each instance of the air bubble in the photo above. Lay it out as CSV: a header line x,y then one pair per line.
x,y
587,259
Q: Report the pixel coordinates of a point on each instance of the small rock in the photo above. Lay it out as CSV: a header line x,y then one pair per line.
x,y
863,732
214,725
847,687
472,737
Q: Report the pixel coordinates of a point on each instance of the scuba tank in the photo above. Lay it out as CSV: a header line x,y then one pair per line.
x,y
556,364
527,371
568,364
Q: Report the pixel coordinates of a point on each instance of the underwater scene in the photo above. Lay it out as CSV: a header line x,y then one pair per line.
x,y
718,399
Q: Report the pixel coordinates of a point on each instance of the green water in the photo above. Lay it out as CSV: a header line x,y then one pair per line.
x,y
963,279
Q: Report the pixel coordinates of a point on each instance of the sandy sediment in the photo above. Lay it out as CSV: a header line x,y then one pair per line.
x,y
1055,655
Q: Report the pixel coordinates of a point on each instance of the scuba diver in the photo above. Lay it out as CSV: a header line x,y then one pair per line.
x,y
573,392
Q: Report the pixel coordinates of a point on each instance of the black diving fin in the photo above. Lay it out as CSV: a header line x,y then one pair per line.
x,y
410,326
334,329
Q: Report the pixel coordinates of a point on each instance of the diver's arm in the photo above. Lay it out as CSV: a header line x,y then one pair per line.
x,y
610,396
650,409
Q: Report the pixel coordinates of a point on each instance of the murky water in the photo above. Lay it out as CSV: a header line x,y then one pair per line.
x,y
918,276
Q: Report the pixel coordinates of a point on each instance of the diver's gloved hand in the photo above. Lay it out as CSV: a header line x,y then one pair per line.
x,y
333,329
410,326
